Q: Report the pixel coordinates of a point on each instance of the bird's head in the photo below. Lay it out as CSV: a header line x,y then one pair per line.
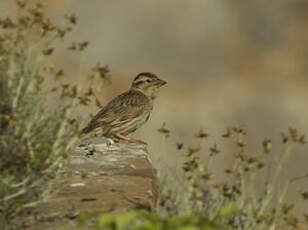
x,y
148,84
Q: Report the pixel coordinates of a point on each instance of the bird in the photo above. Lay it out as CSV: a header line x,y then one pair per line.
x,y
127,112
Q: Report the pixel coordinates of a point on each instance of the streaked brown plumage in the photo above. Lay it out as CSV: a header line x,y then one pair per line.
x,y
128,111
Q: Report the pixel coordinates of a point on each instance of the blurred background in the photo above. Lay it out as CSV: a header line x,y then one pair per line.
x,y
227,63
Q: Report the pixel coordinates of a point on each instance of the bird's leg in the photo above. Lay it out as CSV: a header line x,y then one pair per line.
x,y
120,136
125,138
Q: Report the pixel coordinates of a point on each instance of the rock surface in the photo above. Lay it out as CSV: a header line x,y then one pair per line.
x,y
102,176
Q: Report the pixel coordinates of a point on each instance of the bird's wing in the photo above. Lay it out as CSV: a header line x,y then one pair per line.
x,y
119,111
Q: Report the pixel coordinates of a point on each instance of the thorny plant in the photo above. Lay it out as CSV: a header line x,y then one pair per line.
x,y
254,206
36,106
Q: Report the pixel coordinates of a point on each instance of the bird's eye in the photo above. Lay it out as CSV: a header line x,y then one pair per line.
x,y
148,81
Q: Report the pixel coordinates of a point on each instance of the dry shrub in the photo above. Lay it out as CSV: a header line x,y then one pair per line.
x,y
250,203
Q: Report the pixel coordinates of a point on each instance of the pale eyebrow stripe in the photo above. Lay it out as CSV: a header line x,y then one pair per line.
x,y
138,82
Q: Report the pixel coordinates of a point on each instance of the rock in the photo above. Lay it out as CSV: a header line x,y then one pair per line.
x,y
100,176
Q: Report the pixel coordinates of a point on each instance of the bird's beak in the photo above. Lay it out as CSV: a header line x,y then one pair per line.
x,y
159,83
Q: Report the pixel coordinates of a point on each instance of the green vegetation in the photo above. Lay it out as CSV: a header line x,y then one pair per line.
x,y
142,220
36,107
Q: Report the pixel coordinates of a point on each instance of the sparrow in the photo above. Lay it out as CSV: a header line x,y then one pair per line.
x,y
127,112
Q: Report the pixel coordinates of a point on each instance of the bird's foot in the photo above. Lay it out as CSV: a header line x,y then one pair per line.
x,y
131,140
